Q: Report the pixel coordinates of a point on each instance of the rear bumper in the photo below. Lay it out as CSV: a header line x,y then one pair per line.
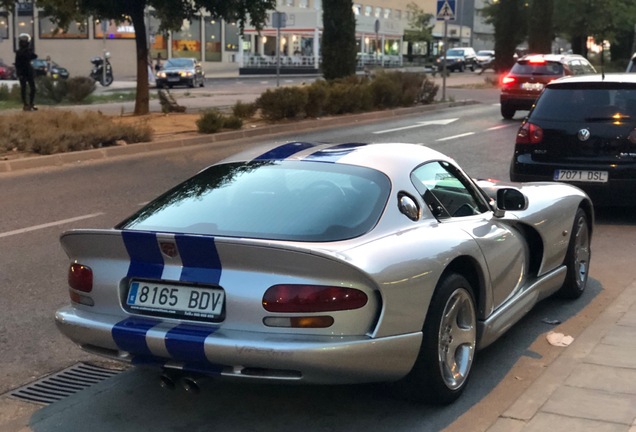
x,y
517,101
212,350
617,191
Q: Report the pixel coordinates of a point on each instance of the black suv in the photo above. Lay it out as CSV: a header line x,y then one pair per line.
x,y
582,131
458,59
525,81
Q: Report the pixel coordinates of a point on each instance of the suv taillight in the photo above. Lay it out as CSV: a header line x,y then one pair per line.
x,y
529,133
508,80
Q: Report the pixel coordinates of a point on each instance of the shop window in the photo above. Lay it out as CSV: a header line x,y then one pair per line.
x,y
4,25
368,10
398,14
231,36
378,12
114,29
289,2
213,41
387,13
187,41
50,30
356,8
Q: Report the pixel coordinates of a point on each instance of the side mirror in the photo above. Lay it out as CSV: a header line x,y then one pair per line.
x,y
511,199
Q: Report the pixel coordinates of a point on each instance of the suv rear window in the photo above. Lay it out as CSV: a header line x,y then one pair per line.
x,y
586,104
527,68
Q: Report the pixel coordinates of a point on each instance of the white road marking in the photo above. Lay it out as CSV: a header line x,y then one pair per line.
x,y
456,136
419,124
499,127
48,225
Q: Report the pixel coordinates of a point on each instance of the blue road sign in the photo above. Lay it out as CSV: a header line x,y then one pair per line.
x,y
446,10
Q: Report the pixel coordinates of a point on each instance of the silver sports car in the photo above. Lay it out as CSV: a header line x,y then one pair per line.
x,y
322,263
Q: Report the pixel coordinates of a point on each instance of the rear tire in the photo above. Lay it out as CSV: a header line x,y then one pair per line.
x,y
449,339
577,258
507,112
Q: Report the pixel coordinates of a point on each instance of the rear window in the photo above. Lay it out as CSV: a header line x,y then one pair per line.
x,y
455,52
609,103
277,200
525,67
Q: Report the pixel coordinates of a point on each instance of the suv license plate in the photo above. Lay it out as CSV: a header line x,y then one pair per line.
x,y
532,86
581,176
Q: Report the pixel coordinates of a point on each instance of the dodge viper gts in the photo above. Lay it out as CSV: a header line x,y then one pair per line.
x,y
325,263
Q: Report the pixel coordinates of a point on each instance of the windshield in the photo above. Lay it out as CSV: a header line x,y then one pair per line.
x,y
180,63
455,52
537,68
278,200
608,103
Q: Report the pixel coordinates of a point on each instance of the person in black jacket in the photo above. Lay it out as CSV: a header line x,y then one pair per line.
x,y
24,70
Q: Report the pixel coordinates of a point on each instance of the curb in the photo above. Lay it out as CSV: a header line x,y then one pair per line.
x,y
61,159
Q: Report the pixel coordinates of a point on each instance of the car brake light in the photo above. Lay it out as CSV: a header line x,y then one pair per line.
x,y
80,277
507,80
312,298
529,133
536,60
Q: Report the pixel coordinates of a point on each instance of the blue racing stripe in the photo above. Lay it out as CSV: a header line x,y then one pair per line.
x,y
200,259
185,342
332,154
145,257
130,335
284,151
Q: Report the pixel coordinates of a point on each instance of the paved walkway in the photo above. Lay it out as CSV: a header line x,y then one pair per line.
x,y
591,386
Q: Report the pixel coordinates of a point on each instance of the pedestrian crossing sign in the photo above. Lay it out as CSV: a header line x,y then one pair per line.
x,y
446,10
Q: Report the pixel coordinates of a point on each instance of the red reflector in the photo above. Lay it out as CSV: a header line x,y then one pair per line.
x,y
312,298
80,277
529,133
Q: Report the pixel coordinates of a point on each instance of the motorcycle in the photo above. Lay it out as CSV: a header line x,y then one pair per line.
x,y
98,74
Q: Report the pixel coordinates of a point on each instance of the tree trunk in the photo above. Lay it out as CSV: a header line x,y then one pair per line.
x,y
142,97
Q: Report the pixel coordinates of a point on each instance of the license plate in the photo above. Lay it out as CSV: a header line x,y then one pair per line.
x,y
176,300
581,176
173,79
532,86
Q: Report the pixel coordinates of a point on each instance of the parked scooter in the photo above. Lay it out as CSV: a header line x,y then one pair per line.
x,y
105,78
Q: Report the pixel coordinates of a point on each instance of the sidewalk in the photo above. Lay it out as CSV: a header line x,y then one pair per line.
x,y
591,386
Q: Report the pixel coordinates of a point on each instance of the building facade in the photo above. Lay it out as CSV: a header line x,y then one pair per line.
x,y
380,27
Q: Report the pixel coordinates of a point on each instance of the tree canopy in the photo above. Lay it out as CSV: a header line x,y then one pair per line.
x,y
171,14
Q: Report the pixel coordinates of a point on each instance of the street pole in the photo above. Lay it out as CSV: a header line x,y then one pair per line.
x,y
444,62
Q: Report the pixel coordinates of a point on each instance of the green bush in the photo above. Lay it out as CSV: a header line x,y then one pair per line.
x,y
79,88
282,103
349,96
244,110
232,122
210,121
317,96
49,89
386,91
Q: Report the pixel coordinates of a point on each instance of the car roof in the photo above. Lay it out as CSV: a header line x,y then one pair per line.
x,y
384,157
613,78
559,58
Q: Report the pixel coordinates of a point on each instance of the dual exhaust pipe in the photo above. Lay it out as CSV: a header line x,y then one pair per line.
x,y
191,384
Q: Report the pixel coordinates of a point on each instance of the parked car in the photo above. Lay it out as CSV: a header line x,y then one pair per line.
x,y
7,72
458,59
484,56
41,68
529,75
582,132
181,71
317,263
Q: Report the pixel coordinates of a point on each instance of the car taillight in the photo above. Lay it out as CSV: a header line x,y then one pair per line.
x,y
80,277
312,298
507,80
529,133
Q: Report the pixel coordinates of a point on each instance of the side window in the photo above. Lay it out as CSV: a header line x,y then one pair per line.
x,y
444,192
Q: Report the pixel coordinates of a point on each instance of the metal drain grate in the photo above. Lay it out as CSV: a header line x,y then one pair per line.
x,y
64,383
